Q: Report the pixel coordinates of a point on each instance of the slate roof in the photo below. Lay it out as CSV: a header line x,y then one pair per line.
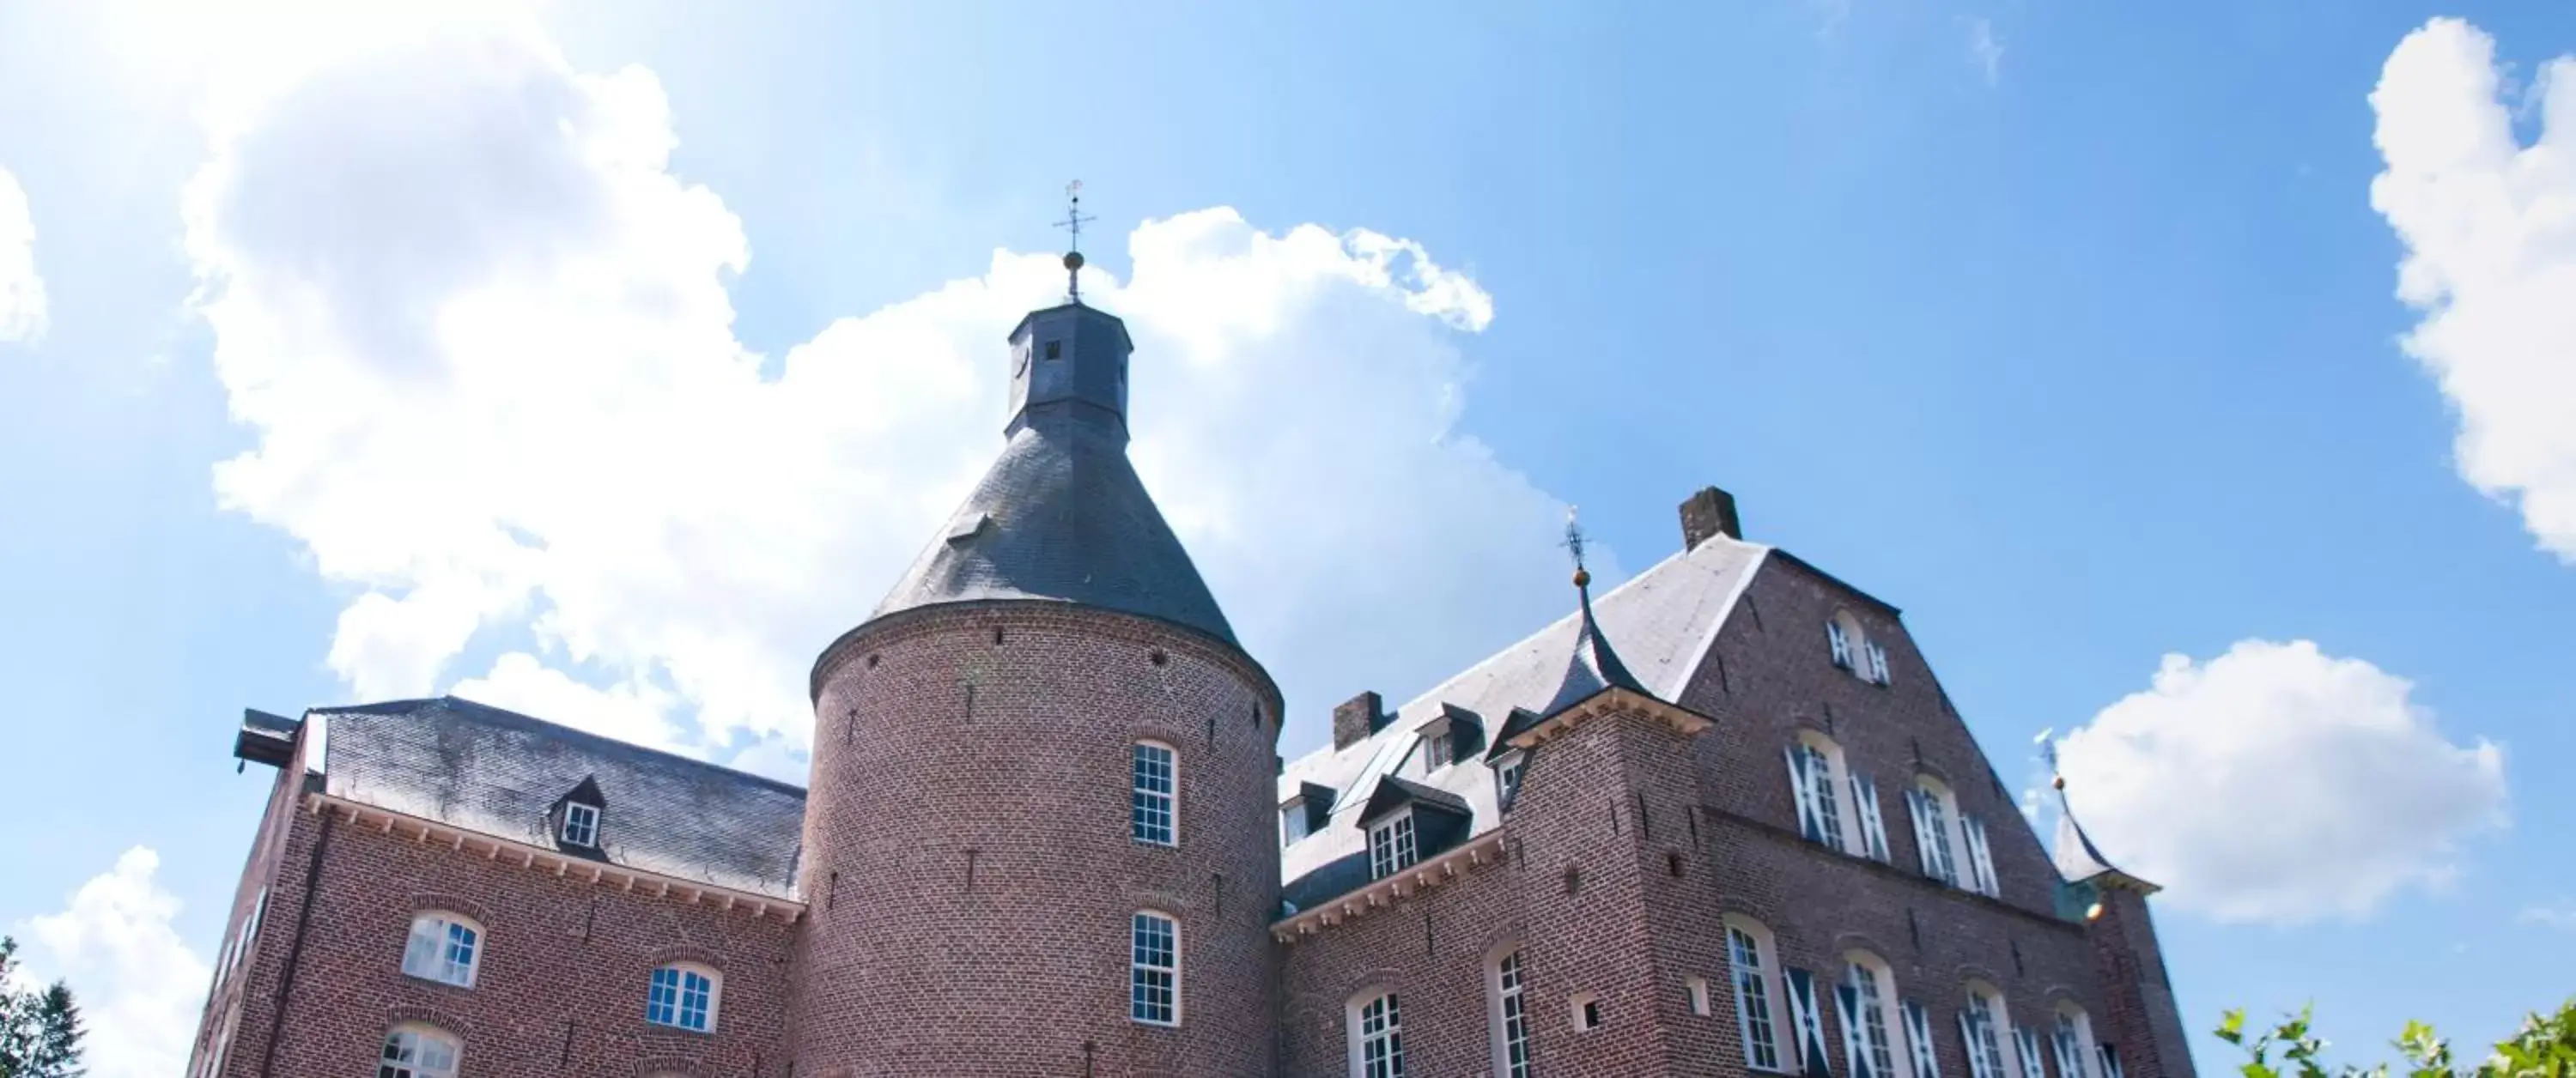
x,y
1593,666
1062,517
1664,620
499,773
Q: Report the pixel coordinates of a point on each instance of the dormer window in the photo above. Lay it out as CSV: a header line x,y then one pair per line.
x,y
1437,751
1507,779
1391,845
581,824
1293,822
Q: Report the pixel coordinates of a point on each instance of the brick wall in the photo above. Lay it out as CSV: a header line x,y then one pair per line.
x,y
969,862
1627,846
562,978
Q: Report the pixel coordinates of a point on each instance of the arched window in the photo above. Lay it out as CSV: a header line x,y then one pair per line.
x,y
1984,1026
1155,778
413,1050
1376,1035
2073,1040
684,995
1754,965
444,947
1867,1006
1154,969
1852,649
1507,1012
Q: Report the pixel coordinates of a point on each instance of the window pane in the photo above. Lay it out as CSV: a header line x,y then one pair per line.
x,y
1150,799
1153,992
1753,1001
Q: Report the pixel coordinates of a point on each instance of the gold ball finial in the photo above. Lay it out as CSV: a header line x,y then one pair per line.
x,y
1582,578
2057,782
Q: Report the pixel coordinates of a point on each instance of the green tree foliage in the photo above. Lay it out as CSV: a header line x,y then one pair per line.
x,y
40,1028
2545,1047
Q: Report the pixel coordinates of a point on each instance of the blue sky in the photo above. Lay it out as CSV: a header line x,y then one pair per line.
x,y
2073,330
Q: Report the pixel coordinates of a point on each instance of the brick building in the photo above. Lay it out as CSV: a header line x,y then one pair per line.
x,y
1719,820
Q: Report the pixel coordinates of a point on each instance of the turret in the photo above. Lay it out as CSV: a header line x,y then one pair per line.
x,y
1040,838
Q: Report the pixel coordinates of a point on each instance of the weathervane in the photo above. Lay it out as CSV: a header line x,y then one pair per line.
x,y
1073,221
1574,545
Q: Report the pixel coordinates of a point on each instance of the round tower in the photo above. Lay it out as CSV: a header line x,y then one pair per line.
x,y
1039,835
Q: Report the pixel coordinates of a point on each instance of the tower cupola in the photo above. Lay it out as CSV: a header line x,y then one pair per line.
x,y
1069,367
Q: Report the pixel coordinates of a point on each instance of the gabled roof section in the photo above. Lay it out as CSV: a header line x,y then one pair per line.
x,y
1665,620
1393,793
499,773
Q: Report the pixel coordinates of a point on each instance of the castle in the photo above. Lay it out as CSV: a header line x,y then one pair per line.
x,y
1719,820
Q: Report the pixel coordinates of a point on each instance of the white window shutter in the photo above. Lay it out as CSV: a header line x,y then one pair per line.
x,y
1840,643
1918,1040
1810,822
1979,858
2111,1062
1926,840
1847,1014
1810,1023
1976,1053
1873,827
1878,664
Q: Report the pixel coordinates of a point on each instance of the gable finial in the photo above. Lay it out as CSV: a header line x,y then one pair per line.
x,y
1072,223
1574,545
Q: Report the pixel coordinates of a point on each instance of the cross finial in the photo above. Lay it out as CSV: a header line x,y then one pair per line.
x,y
1574,545
1072,223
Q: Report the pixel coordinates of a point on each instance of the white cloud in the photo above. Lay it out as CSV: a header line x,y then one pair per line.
x,y
2278,783
481,336
2489,226
139,987
22,293
1986,49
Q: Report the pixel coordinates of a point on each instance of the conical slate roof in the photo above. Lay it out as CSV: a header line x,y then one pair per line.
x,y
1062,516
1593,666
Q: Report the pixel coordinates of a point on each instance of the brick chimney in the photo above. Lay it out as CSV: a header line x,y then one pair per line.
x,y
1356,718
1709,513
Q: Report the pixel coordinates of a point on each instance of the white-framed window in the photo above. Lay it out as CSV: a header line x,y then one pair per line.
x,y
1154,969
1877,663
1391,845
684,996
581,824
1754,970
1292,822
1149,811
1584,1011
1439,748
1931,806
1838,640
443,947
1918,1040
1815,769
1376,1035
1507,1013
2073,1040
1869,1034
413,1050
1983,1023
1981,861
1507,778
1695,989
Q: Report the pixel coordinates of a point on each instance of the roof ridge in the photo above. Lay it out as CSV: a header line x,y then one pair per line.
x,y
488,711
